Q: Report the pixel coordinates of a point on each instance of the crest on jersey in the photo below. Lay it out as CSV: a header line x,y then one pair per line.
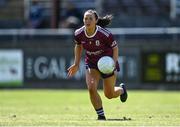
x,y
97,42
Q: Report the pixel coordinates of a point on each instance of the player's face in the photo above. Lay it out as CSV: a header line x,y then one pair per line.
x,y
89,20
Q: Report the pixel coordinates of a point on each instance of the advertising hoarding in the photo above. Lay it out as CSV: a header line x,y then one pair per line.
x,y
161,67
51,67
11,67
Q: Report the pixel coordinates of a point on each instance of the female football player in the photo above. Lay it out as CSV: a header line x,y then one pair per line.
x,y
97,42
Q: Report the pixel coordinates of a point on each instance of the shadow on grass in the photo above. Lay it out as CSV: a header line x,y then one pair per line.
x,y
120,119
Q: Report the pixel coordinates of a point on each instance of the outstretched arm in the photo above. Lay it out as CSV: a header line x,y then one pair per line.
x,y
77,57
77,53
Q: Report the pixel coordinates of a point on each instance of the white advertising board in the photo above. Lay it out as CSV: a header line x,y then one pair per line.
x,y
11,67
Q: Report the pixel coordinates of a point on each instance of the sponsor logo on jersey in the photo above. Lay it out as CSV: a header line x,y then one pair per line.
x,y
94,53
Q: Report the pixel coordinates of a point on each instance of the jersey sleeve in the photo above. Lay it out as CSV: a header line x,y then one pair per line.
x,y
76,38
111,42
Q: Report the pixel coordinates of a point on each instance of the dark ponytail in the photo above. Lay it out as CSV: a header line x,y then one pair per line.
x,y
102,21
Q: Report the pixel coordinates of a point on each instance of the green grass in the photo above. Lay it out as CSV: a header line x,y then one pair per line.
x,y
73,108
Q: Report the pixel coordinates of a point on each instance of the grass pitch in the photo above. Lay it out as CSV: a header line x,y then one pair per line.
x,y
73,108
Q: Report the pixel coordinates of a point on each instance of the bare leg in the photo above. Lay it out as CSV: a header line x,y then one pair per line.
x,y
92,80
110,90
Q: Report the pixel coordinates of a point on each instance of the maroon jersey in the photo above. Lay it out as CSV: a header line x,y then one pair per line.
x,y
101,43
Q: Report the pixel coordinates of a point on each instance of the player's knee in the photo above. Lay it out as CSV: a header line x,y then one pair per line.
x,y
91,88
109,95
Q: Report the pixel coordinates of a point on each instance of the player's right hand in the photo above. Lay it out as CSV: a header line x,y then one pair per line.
x,y
72,70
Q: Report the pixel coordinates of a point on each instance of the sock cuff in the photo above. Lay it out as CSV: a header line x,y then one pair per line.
x,y
100,112
99,109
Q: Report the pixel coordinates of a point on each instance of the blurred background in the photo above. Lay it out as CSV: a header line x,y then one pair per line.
x,y
36,42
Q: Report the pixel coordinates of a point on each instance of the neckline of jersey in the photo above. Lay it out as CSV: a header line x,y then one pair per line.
x,y
91,35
